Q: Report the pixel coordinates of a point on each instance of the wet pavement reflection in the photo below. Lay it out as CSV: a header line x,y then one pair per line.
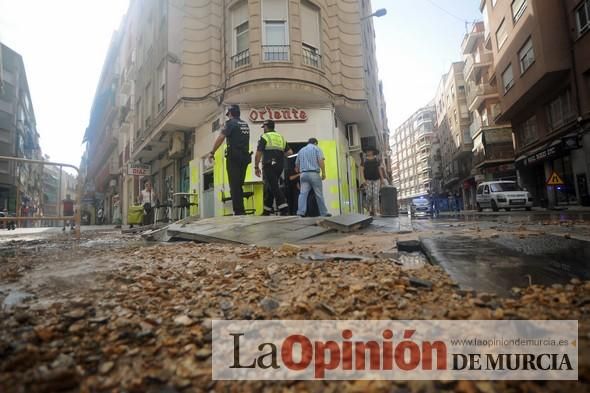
x,y
497,252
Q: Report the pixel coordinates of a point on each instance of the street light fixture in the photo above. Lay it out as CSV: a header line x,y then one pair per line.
x,y
379,13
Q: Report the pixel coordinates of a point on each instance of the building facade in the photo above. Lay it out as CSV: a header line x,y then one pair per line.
x,y
415,154
20,183
493,148
308,65
542,68
452,128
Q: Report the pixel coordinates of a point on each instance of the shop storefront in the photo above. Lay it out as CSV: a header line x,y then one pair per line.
x,y
340,143
564,157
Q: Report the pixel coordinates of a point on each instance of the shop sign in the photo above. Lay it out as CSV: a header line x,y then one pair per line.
x,y
258,115
139,170
542,155
571,142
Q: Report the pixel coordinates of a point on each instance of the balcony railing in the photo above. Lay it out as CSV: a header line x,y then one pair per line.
x,y
241,59
275,52
477,93
311,56
474,127
493,155
477,61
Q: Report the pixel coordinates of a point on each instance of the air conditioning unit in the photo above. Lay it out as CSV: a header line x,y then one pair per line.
x,y
176,145
352,134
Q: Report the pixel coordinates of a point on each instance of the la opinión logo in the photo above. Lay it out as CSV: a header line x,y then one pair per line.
x,y
297,352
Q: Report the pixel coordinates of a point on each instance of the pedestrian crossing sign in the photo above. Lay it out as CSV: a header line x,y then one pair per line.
x,y
555,180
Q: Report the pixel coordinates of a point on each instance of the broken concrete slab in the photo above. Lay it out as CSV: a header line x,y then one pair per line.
x,y
347,223
262,231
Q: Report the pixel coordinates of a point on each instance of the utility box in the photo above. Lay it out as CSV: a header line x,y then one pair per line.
x,y
388,197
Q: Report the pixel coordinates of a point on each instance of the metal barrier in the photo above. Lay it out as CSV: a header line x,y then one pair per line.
x,y
77,201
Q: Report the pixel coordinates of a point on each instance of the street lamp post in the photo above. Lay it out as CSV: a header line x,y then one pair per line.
x,y
379,13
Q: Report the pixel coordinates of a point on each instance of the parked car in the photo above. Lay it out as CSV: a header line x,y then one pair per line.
x,y
502,195
421,207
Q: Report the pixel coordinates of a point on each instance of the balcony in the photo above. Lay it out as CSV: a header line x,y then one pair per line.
x,y
476,63
275,52
422,132
114,166
477,94
311,56
423,156
471,39
241,59
493,155
422,143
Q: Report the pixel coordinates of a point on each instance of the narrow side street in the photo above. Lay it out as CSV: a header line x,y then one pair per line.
x,y
116,313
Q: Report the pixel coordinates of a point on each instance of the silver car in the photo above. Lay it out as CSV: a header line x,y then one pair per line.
x,y
502,195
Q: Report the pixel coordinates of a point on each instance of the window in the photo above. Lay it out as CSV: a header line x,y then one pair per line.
x,y
527,132
139,118
162,88
501,34
518,7
583,17
507,78
275,45
526,55
241,33
559,111
148,105
310,34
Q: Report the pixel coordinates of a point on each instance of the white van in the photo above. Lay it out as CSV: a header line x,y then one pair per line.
x,y
502,195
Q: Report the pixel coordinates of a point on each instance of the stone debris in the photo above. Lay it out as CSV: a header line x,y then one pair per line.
x,y
145,324
318,256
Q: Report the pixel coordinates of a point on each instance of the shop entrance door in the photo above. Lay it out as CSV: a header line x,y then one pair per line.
x,y
565,194
208,194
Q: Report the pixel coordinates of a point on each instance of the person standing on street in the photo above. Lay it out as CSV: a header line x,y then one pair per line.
x,y
148,201
237,154
372,178
272,149
68,211
311,164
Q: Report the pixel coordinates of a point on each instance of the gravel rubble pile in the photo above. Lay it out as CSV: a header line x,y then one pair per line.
x,y
145,325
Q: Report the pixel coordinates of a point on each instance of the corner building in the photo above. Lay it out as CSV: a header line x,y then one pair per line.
x,y
308,65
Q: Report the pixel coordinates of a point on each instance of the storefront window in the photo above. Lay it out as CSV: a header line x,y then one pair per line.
x,y
527,132
559,111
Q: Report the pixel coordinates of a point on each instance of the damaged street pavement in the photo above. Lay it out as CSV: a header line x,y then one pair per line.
x,y
131,311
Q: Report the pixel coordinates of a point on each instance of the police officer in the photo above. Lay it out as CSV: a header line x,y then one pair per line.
x,y
272,148
237,154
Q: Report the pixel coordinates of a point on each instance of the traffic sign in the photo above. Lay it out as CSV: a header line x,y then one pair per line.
x,y
555,180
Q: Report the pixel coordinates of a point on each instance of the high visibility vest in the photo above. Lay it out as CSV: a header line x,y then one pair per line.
x,y
274,141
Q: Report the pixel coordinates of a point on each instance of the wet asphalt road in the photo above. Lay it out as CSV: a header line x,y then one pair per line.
x,y
495,252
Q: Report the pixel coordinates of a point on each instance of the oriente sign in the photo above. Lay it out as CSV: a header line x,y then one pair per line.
x,y
258,115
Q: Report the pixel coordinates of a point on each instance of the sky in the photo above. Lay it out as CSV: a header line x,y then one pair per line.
x,y
64,42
